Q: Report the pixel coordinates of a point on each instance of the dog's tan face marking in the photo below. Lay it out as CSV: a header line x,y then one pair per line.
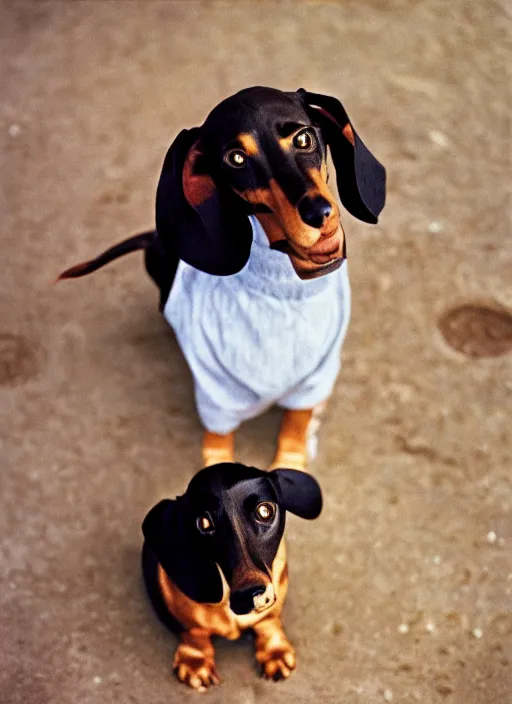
x,y
284,226
285,222
332,226
306,245
248,143
286,216
318,178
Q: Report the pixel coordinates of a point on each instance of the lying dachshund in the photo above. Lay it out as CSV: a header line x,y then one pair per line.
x,y
214,564
249,257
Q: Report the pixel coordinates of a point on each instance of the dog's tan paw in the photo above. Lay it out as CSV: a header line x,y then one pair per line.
x,y
195,669
290,460
277,664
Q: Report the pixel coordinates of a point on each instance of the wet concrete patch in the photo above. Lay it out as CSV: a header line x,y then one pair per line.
x,y
478,330
20,359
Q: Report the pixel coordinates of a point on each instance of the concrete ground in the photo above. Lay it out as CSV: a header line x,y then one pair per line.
x,y
402,590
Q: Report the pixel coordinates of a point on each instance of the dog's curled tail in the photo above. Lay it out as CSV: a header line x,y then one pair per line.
x,y
132,244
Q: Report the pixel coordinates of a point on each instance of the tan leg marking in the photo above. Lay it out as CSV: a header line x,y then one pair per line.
x,y
292,440
218,448
274,651
194,660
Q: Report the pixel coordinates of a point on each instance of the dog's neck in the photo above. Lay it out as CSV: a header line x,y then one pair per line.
x,y
271,272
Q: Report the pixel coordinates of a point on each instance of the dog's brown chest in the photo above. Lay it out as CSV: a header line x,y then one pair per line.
x,y
219,619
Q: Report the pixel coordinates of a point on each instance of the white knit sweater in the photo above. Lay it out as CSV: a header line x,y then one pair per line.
x,y
260,337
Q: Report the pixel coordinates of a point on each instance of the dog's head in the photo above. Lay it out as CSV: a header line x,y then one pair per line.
x,y
263,151
230,520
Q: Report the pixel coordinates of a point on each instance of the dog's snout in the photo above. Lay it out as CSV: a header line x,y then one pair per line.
x,y
313,210
243,600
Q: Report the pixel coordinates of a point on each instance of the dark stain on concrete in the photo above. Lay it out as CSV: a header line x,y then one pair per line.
x,y
478,330
19,359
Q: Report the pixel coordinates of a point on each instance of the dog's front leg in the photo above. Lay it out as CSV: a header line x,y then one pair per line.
x,y
292,442
194,660
218,448
274,652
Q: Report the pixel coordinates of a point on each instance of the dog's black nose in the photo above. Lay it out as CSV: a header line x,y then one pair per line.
x,y
314,209
242,601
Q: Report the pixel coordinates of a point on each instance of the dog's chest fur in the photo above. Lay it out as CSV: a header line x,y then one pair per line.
x,y
219,619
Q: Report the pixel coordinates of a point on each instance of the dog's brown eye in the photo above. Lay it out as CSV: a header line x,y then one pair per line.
x,y
265,511
205,524
303,140
236,158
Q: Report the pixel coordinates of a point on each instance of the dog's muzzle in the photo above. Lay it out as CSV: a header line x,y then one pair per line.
x,y
256,598
314,210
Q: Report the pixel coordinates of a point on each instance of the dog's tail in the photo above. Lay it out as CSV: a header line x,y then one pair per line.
x,y
132,244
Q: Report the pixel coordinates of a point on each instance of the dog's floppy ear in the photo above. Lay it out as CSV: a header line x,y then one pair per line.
x,y
361,178
298,492
170,533
206,227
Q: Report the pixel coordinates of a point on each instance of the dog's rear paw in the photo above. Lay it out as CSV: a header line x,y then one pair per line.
x,y
195,670
277,664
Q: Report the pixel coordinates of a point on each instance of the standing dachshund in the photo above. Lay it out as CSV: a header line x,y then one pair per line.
x,y
249,257
214,563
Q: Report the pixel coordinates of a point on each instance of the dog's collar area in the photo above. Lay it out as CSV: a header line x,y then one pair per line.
x,y
324,270
271,272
